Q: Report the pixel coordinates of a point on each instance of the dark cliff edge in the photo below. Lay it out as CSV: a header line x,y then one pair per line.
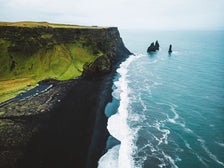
x,y
64,126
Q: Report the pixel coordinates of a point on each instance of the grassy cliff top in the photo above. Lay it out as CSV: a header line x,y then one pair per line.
x,y
46,24
28,56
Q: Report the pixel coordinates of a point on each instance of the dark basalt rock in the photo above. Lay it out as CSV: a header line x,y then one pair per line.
x,y
170,49
157,45
153,47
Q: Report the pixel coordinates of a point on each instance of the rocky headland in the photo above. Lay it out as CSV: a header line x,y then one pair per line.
x,y
64,126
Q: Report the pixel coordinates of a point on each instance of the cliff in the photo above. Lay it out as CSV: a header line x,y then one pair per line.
x,y
34,51
64,126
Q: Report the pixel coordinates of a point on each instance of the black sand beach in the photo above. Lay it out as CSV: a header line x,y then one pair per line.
x,y
71,137
62,127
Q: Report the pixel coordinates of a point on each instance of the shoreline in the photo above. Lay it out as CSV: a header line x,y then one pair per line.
x,y
68,138
63,127
100,133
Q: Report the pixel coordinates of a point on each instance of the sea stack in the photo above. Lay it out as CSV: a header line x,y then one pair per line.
x,y
170,49
153,47
157,45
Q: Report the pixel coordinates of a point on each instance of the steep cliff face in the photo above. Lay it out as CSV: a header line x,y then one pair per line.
x,y
30,52
65,126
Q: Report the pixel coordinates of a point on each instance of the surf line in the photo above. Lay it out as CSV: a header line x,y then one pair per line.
x,y
120,155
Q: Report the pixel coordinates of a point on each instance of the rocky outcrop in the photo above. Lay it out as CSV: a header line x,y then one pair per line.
x,y
170,49
156,45
153,47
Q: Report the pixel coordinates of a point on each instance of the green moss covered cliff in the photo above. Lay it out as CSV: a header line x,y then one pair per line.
x,y
34,51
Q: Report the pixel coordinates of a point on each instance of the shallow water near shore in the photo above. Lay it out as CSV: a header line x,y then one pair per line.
x,y
167,109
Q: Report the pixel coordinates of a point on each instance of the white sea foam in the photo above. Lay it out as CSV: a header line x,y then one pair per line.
x,y
171,161
109,159
193,152
178,159
209,153
176,52
116,94
165,133
176,116
152,62
201,160
117,123
187,145
142,103
162,165
220,144
173,110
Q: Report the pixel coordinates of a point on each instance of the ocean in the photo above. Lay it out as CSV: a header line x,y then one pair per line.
x,y
168,109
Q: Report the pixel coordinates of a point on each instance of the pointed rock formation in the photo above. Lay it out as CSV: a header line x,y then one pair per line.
x,y
170,49
157,45
153,47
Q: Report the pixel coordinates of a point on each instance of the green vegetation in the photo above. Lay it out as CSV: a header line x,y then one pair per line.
x,y
2,123
29,56
46,36
46,24
11,87
62,62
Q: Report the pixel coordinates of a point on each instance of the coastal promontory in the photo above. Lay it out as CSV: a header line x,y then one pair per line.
x,y
64,126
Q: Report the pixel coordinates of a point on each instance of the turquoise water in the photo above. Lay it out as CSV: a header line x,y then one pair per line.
x,y
171,107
